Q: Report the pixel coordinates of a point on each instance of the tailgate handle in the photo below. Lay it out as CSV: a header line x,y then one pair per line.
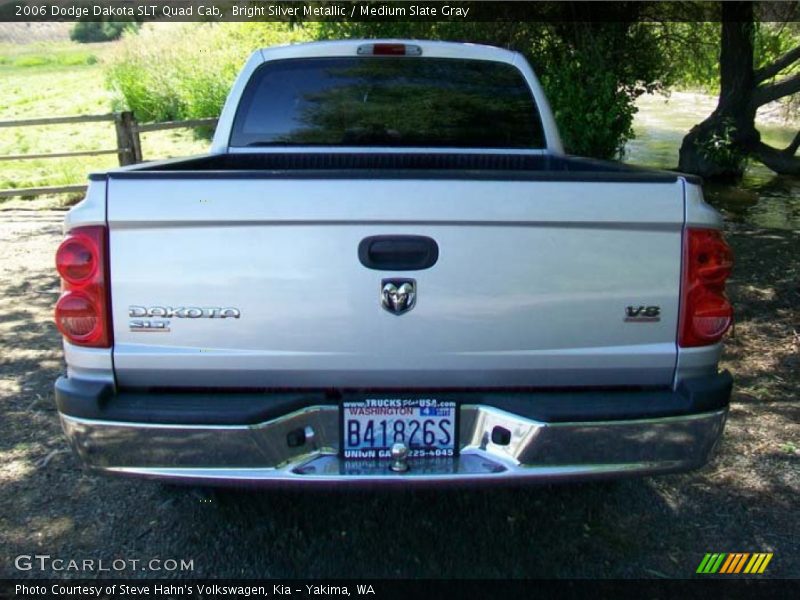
x,y
398,252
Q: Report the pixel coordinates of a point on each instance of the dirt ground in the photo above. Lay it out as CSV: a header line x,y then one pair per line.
x,y
745,500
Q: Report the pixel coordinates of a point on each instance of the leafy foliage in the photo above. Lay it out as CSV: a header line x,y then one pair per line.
x,y
693,50
720,148
592,74
98,31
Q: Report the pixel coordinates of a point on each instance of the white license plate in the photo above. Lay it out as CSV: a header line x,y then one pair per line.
x,y
426,426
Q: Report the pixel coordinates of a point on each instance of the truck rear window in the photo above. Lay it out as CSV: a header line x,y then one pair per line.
x,y
388,101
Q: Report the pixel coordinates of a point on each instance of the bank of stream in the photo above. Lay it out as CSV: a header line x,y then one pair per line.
x,y
762,199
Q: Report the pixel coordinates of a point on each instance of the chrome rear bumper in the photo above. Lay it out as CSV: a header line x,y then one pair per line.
x,y
260,454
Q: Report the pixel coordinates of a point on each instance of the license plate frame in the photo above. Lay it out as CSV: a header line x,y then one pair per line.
x,y
438,417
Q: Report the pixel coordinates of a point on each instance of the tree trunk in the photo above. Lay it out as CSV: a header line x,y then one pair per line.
x,y
780,161
716,147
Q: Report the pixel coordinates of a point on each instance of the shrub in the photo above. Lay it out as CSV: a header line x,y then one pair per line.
x,y
97,31
593,112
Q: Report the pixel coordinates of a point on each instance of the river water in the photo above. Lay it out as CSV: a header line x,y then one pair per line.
x,y
761,199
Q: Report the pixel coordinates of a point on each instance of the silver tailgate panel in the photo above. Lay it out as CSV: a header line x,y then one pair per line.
x,y
530,287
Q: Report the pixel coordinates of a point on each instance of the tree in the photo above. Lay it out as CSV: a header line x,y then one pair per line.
x,y
718,147
87,32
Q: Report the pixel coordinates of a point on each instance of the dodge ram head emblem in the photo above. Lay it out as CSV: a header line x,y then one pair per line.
x,y
398,296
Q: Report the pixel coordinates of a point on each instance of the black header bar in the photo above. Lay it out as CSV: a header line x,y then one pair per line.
x,y
383,589
377,10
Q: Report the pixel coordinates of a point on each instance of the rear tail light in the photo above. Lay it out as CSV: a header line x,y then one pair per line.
x,y
706,313
83,313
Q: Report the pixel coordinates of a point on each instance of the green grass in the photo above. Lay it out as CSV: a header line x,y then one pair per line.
x,y
65,79
52,54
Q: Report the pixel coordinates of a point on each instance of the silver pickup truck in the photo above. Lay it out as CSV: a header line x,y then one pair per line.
x,y
387,271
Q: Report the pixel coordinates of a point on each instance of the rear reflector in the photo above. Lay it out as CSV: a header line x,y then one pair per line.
x,y
389,50
82,312
78,318
706,313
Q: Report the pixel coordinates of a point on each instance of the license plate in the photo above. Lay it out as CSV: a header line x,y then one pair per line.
x,y
426,426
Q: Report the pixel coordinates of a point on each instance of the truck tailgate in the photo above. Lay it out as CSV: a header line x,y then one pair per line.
x,y
531,285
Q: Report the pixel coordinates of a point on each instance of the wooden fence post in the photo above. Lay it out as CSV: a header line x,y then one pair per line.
x,y
128,148
128,143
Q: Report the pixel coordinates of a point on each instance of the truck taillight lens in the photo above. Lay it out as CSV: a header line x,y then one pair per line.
x,y
82,312
706,313
76,259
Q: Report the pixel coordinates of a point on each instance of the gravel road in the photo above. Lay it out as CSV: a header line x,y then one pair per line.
x,y
746,500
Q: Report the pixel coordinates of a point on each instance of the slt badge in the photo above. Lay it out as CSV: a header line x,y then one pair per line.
x,y
398,296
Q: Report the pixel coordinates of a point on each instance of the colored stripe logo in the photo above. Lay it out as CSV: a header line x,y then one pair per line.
x,y
734,563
